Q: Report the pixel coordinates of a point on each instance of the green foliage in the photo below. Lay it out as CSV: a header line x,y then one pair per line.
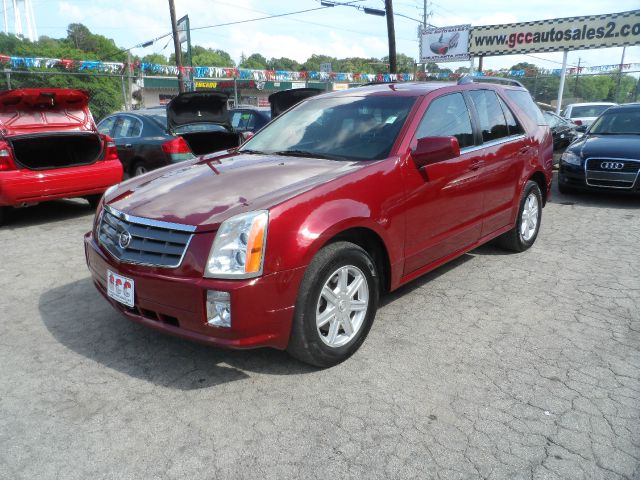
x,y
284,63
154,58
80,44
583,88
254,61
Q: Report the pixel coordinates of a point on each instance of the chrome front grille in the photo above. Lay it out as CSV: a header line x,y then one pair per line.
x,y
612,172
143,241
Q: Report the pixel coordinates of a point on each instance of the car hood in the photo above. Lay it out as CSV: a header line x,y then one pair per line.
x,y
209,190
198,107
609,146
29,110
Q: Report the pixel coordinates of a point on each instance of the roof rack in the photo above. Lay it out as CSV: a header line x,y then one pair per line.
x,y
508,81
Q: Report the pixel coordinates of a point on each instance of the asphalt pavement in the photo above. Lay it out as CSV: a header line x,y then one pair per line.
x,y
498,365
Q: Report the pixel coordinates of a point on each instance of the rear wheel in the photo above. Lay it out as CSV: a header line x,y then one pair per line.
x,y
524,233
4,214
139,168
336,305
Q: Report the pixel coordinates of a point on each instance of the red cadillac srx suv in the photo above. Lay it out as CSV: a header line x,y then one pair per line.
x,y
50,148
289,240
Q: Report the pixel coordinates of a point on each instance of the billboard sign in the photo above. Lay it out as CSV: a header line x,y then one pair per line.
x,y
573,33
444,44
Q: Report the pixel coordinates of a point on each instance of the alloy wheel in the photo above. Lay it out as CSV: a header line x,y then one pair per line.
x,y
342,306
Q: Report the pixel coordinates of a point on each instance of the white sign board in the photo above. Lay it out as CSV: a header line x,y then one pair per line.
x,y
444,44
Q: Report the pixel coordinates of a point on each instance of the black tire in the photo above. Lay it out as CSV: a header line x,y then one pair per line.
x,y
305,342
139,168
514,240
565,189
93,200
4,215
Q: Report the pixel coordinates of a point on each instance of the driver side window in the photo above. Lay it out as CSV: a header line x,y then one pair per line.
x,y
447,116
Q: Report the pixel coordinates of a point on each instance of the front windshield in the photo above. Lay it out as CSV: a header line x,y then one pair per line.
x,y
588,111
350,128
617,123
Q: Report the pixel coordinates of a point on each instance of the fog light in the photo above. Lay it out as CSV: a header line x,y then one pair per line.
x,y
218,309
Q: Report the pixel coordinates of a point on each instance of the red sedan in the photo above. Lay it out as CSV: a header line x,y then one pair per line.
x,y
289,240
50,149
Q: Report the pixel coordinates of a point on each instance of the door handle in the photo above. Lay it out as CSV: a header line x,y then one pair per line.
x,y
477,164
524,150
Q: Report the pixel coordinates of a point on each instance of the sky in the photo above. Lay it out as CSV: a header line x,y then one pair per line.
x,y
338,31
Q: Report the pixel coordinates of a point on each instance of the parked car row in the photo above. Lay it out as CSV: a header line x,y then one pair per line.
x,y
289,238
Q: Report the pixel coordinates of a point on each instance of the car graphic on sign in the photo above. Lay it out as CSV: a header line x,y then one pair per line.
x,y
442,46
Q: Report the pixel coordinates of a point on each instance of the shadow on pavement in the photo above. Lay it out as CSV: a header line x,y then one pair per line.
x,y
47,212
420,281
81,320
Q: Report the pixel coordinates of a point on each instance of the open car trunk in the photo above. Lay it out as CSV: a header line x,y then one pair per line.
x,y
202,143
46,151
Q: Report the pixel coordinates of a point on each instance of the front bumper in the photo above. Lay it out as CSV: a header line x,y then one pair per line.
x,y
574,176
261,308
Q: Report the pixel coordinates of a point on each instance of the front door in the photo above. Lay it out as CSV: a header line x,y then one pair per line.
x,y
444,199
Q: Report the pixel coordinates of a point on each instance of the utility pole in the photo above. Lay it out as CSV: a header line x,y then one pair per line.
x,y
391,32
424,27
615,98
176,45
129,82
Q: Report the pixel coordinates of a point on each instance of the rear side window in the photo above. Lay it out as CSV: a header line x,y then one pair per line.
x,y
492,121
527,105
447,116
512,122
105,125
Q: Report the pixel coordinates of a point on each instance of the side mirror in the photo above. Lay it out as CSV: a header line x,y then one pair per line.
x,y
581,128
244,136
435,149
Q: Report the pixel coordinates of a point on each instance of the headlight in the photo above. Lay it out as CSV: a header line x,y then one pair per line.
x,y
238,249
571,158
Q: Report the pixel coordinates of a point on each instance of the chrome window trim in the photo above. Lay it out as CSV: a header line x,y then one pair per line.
x,y
633,184
149,222
493,143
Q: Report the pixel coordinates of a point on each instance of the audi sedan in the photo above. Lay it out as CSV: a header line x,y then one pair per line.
x,y
289,240
607,157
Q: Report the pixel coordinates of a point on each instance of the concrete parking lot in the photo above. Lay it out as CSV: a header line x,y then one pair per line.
x,y
496,366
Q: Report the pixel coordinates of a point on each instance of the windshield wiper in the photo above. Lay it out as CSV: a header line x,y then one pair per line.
x,y
252,152
307,154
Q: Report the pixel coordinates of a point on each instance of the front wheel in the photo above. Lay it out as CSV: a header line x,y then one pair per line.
x,y
93,200
336,305
523,235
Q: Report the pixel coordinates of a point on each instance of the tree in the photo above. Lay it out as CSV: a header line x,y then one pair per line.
x,y
284,63
154,58
255,61
405,63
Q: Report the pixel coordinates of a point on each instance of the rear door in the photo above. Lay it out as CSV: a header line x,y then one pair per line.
x,y
126,135
444,199
505,149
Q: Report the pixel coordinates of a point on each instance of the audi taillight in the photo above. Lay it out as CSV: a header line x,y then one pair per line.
x,y
110,151
177,149
6,157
